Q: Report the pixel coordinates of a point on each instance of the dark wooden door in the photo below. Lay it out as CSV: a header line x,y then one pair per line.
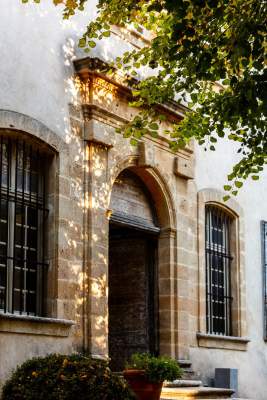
x,y
132,294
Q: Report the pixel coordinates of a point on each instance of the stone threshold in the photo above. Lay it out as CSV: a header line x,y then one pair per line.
x,y
31,325
203,393
222,342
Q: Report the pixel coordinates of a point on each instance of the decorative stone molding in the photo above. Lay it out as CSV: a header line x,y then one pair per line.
x,y
210,195
92,111
222,342
215,197
98,132
93,71
105,106
168,232
183,167
147,155
106,99
12,120
25,324
157,185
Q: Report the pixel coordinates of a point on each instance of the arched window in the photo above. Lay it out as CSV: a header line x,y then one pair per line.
x,y
23,216
222,283
218,271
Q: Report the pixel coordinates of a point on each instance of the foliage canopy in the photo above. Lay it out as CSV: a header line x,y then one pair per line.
x,y
195,43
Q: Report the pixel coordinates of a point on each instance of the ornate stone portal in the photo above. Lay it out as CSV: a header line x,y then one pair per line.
x,y
167,178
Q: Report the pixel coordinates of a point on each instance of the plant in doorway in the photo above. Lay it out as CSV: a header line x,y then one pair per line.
x,y
145,374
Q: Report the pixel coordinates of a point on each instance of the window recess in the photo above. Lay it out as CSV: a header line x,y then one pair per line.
x,y
23,216
218,271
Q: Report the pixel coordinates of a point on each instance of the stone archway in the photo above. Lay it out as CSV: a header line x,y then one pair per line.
x,y
133,283
100,207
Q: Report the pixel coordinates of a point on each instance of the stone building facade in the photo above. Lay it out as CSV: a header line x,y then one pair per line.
x,y
125,249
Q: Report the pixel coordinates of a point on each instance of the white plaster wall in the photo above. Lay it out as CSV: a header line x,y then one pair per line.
x,y
28,346
36,52
211,171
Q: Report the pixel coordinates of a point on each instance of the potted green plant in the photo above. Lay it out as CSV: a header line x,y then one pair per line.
x,y
145,374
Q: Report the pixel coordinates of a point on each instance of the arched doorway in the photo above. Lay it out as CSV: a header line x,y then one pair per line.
x,y
133,281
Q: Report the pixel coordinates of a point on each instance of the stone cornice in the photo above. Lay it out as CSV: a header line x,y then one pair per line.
x,y
93,68
93,111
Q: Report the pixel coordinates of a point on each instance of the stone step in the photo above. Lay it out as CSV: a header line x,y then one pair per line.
x,y
191,393
191,375
188,372
184,363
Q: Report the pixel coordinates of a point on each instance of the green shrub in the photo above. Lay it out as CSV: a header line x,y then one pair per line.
x,y
61,377
157,369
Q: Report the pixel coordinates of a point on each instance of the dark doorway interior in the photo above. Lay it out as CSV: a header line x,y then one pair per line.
x,y
133,320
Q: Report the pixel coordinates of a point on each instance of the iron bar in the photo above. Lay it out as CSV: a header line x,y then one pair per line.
x,y
218,271
24,204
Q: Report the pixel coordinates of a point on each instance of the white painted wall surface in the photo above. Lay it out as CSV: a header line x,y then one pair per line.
x,y
36,52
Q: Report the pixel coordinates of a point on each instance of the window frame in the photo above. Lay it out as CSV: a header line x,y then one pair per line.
x,y
211,196
16,198
216,253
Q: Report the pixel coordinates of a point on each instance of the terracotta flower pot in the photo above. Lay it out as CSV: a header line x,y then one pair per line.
x,y
139,384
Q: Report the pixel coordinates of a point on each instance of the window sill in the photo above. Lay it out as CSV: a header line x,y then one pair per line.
x,y
30,325
222,342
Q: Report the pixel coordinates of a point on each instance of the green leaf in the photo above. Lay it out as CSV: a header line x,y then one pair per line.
x,y
238,184
82,42
154,126
154,134
106,33
133,142
194,97
227,197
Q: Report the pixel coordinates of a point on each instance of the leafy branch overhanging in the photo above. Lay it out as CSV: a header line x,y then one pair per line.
x,y
194,43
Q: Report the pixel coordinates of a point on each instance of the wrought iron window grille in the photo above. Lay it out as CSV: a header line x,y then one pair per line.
x,y
23,216
218,271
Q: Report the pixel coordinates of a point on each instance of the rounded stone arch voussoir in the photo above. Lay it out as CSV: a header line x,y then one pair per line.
x,y
215,196
12,120
157,186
